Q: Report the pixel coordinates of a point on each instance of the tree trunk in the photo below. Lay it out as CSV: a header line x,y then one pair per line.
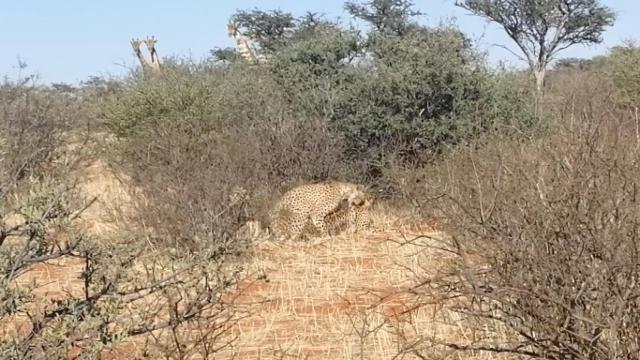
x,y
539,74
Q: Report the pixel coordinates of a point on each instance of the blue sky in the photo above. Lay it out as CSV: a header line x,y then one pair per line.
x,y
69,40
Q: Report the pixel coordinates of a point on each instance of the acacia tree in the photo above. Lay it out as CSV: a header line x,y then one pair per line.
x,y
273,30
543,28
389,17
269,29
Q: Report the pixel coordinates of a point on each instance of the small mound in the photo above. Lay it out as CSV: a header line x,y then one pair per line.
x,y
110,206
113,206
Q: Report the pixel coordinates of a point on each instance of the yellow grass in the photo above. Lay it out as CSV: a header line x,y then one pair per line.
x,y
344,298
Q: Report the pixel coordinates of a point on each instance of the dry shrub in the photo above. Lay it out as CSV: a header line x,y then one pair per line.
x,y
551,222
571,92
65,294
32,121
230,134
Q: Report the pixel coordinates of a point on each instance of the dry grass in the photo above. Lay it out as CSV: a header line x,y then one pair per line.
x,y
334,298
345,298
318,297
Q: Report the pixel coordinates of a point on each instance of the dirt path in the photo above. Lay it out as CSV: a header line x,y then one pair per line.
x,y
338,298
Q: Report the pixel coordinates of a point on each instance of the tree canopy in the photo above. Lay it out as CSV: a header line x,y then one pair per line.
x,y
389,17
543,28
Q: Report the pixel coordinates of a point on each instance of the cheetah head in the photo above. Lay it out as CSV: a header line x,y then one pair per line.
x,y
360,198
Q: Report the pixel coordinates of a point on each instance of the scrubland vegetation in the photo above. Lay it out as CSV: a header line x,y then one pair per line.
x,y
538,198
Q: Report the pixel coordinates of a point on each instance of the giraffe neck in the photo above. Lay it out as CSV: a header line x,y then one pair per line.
x,y
242,44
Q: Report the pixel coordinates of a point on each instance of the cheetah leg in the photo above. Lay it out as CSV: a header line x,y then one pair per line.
x,y
319,223
296,229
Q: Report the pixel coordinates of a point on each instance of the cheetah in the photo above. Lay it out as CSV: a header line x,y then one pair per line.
x,y
347,218
306,206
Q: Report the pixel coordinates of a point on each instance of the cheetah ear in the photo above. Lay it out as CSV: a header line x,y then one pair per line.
x,y
344,203
356,199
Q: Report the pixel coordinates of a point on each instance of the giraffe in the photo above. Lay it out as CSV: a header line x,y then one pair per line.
x,y
242,43
150,42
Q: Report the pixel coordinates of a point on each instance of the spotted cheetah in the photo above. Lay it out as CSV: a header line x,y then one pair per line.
x,y
355,218
309,204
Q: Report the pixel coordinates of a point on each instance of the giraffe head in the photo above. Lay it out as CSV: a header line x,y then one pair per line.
x,y
232,28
